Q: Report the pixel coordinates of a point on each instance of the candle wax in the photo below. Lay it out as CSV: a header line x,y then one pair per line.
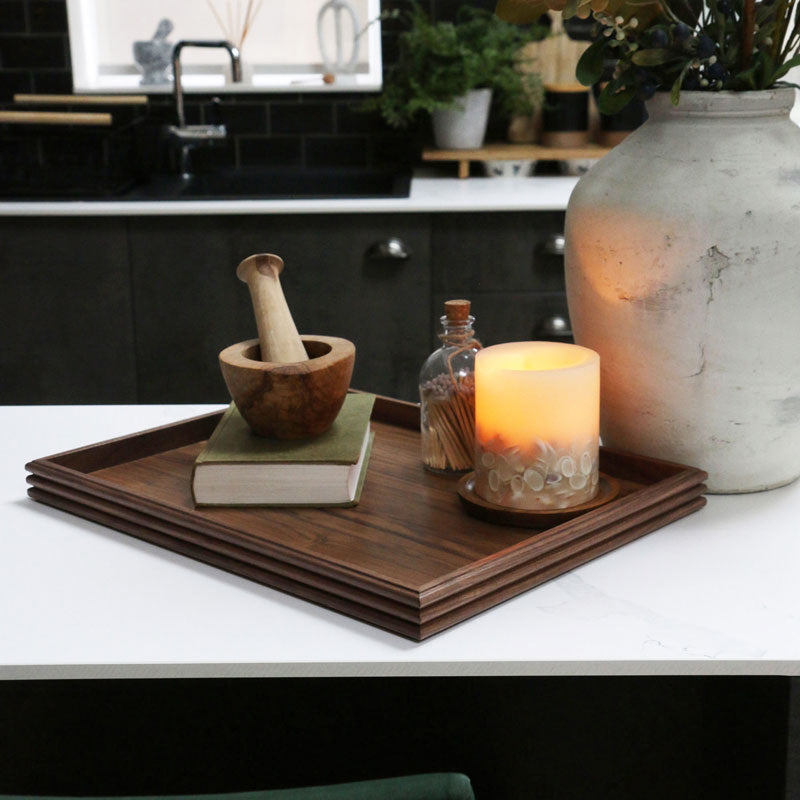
x,y
537,412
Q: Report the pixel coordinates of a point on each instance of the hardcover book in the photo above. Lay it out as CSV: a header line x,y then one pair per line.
x,y
238,468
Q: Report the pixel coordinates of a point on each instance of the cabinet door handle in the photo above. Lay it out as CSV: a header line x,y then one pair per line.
x,y
554,244
392,249
553,328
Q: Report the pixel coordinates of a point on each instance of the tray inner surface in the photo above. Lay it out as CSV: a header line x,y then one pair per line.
x,y
406,558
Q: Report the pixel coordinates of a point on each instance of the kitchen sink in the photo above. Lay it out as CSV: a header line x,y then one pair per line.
x,y
277,183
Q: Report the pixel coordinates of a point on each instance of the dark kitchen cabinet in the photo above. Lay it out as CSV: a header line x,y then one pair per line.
x,y
189,304
501,252
65,306
114,310
506,264
509,316
343,278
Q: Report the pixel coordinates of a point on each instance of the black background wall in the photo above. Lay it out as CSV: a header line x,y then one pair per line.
x,y
306,130
517,738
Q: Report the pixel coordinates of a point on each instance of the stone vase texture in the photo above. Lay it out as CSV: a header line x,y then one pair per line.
x,y
683,273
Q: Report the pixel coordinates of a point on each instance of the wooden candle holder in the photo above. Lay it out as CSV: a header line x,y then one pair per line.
x,y
607,490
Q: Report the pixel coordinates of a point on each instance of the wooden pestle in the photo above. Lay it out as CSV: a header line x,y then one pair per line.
x,y
277,334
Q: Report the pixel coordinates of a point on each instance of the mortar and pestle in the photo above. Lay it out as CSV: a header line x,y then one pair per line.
x,y
286,386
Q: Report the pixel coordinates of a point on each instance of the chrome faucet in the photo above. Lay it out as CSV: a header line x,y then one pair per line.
x,y
196,134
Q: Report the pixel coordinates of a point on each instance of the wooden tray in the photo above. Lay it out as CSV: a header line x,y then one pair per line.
x,y
407,558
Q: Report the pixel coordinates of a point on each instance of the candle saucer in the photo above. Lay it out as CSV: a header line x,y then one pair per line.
x,y
476,506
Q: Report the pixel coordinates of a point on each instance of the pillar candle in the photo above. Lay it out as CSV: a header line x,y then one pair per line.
x,y
537,413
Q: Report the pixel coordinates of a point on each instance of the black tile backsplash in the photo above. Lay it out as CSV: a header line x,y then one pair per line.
x,y
239,117
16,82
29,51
288,129
12,16
350,119
222,154
47,16
332,151
270,150
311,117
52,81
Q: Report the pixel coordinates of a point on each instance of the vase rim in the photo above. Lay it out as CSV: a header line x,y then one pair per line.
x,y
768,102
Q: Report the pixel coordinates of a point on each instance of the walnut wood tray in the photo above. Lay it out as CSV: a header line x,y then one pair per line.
x,y
407,558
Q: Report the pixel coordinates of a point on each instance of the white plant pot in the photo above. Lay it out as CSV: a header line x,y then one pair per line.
x,y
683,273
463,127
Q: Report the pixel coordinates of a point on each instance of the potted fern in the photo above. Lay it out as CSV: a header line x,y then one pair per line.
x,y
452,70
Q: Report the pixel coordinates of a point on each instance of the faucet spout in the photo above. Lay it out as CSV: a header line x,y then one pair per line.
x,y
236,68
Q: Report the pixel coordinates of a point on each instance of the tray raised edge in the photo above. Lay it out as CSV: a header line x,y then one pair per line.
x,y
363,606
439,604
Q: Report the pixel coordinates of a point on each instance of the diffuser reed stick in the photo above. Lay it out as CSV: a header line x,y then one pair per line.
x,y
239,22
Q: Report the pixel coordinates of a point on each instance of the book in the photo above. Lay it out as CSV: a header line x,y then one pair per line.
x,y
238,468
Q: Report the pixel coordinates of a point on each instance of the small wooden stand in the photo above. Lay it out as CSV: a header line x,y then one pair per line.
x,y
512,152
476,506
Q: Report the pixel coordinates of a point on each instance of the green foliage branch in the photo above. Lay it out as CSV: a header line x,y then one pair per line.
x,y
441,61
644,46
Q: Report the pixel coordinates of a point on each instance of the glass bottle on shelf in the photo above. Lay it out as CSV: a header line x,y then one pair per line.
x,y
447,394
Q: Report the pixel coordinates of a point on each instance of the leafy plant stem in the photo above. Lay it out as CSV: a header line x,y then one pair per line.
x,y
748,32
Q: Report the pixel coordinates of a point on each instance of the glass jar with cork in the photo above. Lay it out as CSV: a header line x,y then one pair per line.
x,y
447,394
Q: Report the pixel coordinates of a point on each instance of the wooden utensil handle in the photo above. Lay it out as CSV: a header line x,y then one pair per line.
x,y
277,334
54,118
82,99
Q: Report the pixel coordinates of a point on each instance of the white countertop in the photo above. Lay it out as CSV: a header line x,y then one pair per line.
x,y
427,194
715,593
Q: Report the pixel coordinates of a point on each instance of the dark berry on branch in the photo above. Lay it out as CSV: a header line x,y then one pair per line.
x,y
705,46
725,8
691,82
659,38
647,90
716,71
681,32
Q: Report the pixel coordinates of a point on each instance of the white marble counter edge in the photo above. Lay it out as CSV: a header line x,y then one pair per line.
x,y
428,194
744,667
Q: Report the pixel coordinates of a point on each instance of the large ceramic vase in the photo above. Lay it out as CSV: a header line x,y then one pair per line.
x,y
683,273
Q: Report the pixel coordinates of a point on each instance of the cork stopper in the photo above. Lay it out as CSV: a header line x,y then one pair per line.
x,y
456,310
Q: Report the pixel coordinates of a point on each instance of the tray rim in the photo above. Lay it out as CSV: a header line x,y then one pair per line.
x,y
388,410
502,569
527,549
429,620
424,600
470,575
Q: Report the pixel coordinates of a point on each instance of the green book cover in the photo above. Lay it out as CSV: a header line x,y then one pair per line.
x,y
234,443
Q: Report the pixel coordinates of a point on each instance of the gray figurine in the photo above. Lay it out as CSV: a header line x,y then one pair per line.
x,y
154,57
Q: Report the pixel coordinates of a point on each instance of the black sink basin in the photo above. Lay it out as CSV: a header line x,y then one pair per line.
x,y
273,184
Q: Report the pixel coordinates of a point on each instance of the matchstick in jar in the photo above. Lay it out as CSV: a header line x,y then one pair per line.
x,y
447,394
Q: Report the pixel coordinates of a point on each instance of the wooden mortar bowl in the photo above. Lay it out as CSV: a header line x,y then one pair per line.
x,y
298,400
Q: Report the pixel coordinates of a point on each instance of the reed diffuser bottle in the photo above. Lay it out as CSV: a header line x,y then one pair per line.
x,y
447,394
